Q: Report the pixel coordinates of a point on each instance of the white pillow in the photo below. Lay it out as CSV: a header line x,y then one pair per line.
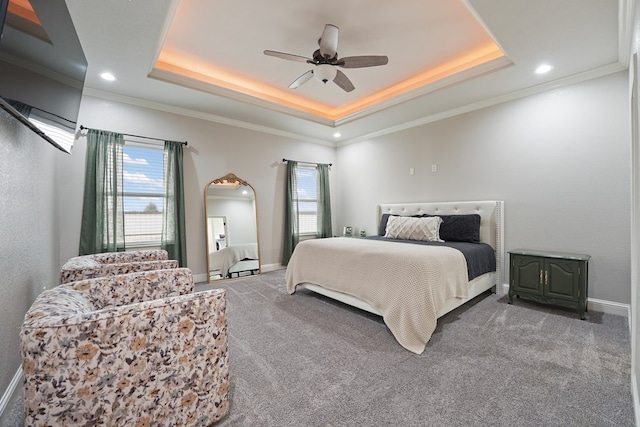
x,y
412,228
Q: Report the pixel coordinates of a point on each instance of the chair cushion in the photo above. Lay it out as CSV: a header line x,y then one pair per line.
x,y
160,362
56,306
130,256
80,263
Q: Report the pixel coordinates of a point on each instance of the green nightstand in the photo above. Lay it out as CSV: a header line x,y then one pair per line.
x,y
549,277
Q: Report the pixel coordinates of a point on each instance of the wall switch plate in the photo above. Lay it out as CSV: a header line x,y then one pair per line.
x,y
412,171
434,168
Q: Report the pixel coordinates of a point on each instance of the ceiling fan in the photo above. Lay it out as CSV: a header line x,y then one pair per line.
x,y
326,60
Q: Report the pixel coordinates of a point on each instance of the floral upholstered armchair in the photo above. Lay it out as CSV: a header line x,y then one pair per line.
x,y
110,263
132,349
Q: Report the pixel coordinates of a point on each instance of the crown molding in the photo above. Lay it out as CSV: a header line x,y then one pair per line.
x,y
196,81
193,80
462,76
576,78
88,91
570,80
626,17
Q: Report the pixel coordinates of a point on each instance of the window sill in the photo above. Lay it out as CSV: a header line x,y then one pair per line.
x,y
143,246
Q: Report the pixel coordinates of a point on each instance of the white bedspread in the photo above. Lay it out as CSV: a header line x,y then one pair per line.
x,y
225,258
407,283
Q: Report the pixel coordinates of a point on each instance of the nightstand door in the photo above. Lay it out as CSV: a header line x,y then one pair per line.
x,y
563,278
527,274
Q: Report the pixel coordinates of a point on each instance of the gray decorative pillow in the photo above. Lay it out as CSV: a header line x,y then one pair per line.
x,y
460,228
382,228
411,228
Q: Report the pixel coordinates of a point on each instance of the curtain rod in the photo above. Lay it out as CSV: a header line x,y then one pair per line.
x,y
309,163
185,143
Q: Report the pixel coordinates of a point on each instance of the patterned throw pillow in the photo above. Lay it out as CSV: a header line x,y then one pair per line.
x,y
411,228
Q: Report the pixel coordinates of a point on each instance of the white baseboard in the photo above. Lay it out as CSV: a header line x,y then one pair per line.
x,y
265,268
609,307
271,267
502,289
594,304
200,278
8,393
636,399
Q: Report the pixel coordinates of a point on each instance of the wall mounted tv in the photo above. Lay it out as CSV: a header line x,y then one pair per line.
x,y
42,68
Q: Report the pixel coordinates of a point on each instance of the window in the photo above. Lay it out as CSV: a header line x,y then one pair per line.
x,y
308,205
143,194
306,178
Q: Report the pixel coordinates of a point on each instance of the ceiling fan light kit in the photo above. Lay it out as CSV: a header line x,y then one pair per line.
x,y
325,60
325,72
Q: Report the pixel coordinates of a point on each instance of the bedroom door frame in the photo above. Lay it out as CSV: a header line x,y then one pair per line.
x,y
217,224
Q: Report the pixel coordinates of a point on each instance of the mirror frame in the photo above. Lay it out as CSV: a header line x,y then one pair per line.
x,y
229,178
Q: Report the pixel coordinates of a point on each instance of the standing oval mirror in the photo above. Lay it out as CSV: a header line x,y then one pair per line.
x,y
232,228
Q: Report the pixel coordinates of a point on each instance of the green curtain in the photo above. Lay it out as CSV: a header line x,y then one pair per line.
x,y
173,238
291,234
324,202
102,228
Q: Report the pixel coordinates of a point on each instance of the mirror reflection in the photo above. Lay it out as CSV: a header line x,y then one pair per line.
x,y
232,228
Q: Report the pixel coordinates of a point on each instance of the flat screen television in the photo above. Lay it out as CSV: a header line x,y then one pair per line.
x,y
42,68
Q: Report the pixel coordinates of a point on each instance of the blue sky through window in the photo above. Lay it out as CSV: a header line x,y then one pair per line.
x,y
307,199
306,186
143,183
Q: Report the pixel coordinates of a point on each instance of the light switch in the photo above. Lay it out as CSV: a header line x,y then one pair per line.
x,y
412,171
434,168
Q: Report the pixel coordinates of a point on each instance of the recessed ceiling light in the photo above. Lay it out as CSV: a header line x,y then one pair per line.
x,y
337,135
544,68
108,76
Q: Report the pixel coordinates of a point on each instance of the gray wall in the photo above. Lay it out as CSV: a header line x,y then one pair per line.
x,y
214,150
634,77
29,239
559,160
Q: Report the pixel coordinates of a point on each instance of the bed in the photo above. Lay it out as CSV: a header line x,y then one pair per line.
x,y
234,259
410,285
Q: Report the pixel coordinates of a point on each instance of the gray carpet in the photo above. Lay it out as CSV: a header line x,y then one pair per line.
x,y
304,360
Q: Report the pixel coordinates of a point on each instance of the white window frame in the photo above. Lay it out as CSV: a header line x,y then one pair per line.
x,y
314,233
148,244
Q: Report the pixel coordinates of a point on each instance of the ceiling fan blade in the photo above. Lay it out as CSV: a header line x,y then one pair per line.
x,y
287,56
343,81
329,41
362,61
301,80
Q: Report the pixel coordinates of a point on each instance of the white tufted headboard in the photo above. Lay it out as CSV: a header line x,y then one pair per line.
x,y
491,220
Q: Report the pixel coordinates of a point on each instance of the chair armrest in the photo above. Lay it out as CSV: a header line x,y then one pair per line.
x,y
115,359
131,256
102,270
131,288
